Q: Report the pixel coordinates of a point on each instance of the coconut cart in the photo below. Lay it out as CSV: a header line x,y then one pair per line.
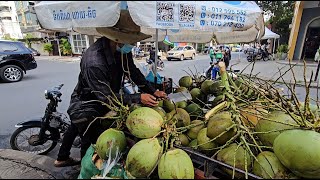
x,y
188,21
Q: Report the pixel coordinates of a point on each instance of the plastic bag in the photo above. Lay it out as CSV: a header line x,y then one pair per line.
x,y
150,78
88,168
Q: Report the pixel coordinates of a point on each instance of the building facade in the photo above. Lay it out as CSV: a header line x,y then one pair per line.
x,y
9,24
29,24
304,38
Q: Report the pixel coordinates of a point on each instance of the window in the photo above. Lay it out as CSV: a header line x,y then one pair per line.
x,y
6,18
79,42
8,47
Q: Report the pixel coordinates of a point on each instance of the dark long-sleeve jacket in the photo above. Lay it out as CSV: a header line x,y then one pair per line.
x,y
101,76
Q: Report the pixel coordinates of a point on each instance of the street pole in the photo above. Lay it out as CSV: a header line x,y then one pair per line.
x,y
156,60
317,73
58,47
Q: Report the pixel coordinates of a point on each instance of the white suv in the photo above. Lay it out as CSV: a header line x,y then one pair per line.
x,y
181,53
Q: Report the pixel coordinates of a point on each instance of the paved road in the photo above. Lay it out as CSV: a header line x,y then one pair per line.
x,y
25,100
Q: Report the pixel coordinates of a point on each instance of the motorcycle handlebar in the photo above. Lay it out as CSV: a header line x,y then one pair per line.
x,y
59,87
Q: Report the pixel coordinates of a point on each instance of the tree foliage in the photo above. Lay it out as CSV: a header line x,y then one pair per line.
x,y
65,47
281,14
28,38
8,37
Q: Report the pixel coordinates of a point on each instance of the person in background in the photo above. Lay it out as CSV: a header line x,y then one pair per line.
x,y
211,55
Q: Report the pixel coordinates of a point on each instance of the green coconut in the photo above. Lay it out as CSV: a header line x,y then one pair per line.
x,y
160,103
185,81
180,89
180,116
193,132
175,164
205,86
161,111
194,109
228,154
134,107
144,122
268,166
217,100
216,88
217,124
313,108
143,157
168,106
265,125
110,139
299,151
193,144
181,104
195,93
183,139
203,141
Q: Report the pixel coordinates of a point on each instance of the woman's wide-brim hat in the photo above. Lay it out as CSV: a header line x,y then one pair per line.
x,y
125,31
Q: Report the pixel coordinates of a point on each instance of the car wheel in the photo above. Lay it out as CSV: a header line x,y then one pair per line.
x,y
11,73
193,56
181,57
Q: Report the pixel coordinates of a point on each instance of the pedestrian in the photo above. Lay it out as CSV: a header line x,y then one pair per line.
x,y
211,55
101,72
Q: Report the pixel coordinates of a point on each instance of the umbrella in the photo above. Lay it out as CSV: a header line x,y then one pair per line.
x,y
181,21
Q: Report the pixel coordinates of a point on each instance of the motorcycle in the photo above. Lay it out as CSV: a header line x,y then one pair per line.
x,y
40,136
160,63
260,54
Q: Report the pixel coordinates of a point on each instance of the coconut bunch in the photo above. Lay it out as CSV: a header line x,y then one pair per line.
x,y
247,128
248,124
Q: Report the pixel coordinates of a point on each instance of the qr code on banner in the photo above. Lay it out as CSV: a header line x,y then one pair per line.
x,y
165,11
187,13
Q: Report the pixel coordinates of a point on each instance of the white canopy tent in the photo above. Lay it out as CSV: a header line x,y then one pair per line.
x,y
181,21
268,34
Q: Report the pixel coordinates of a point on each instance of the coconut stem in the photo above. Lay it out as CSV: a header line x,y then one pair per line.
x,y
224,75
216,109
189,126
251,153
245,164
234,160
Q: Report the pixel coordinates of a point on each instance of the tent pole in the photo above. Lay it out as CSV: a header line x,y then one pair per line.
x,y
156,60
274,46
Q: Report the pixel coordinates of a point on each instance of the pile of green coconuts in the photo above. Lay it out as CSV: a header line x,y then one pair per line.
x,y
242,122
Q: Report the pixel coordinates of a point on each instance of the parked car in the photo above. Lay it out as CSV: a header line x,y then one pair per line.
x,y
206,49
15,60
237,48
35,52
181,53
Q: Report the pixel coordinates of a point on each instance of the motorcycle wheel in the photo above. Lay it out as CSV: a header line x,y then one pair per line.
x,y
40,149
249,59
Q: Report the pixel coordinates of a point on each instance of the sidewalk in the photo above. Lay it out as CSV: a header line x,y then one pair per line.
x,y
21,165
269,70
58,58
298,62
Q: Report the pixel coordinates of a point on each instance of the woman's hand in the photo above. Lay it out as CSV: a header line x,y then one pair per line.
x,y
149,100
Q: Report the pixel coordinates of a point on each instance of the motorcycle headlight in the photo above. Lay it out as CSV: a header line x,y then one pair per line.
x,y
46,94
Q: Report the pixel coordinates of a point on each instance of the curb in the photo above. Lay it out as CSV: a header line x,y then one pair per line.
x,y
298,63
21,165
312,85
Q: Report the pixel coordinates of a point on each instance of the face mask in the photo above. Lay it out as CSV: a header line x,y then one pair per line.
x,y
125,49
